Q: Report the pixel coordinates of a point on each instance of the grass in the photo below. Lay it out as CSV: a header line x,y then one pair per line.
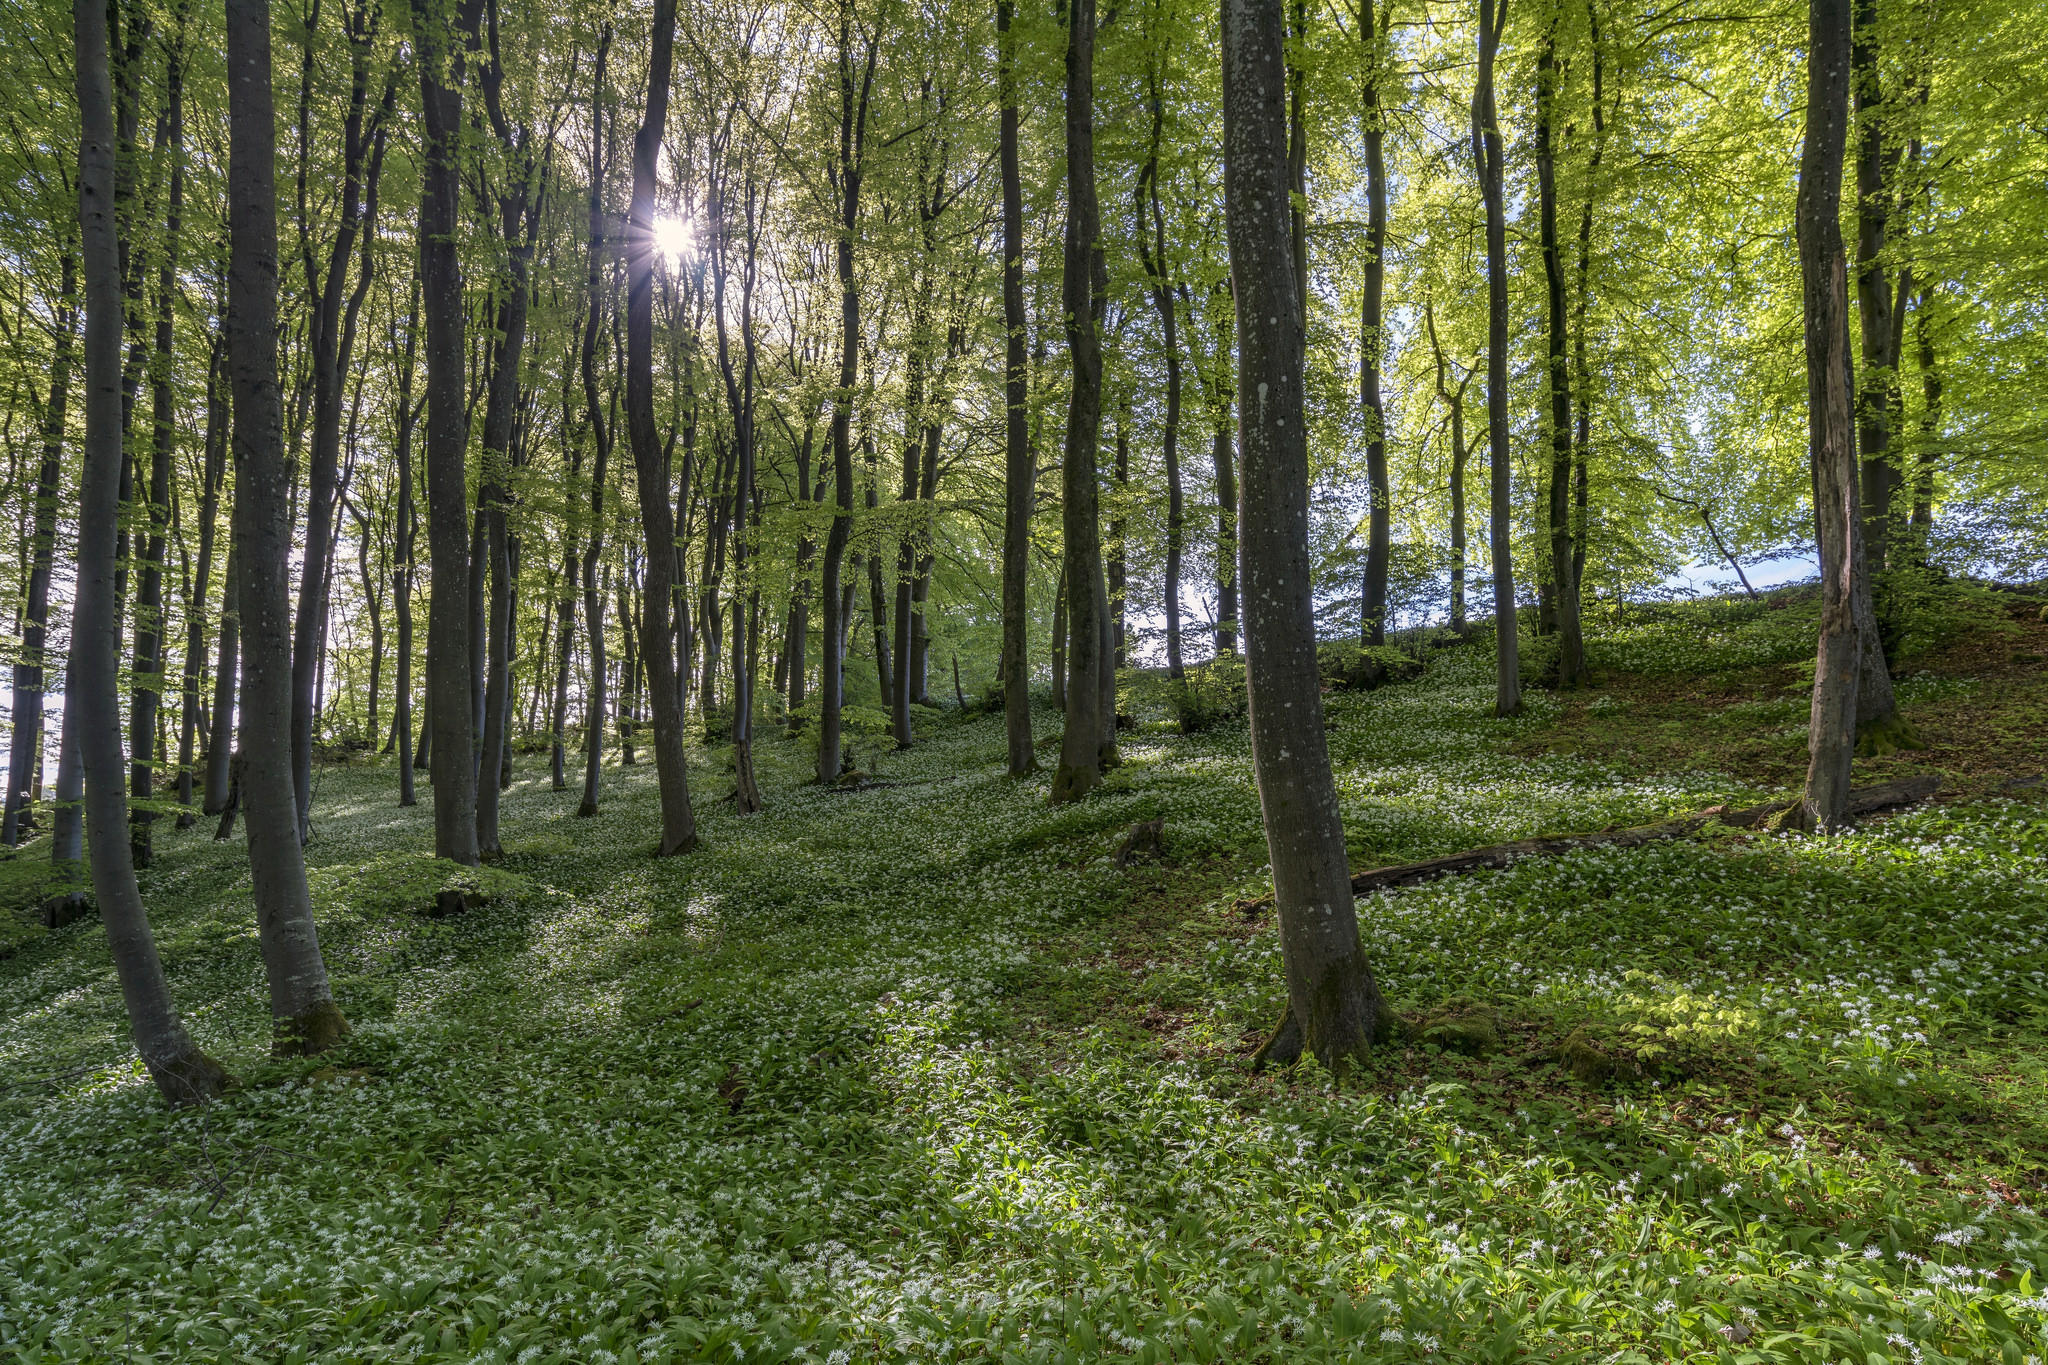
x,y
916,1074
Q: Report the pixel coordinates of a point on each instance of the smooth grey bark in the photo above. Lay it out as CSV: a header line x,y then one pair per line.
x,y
602,431
448,629
302,1005
650,459
1454,399
1088,740
146,680
25,743
847,175
1158,275
1571,656
1334,1005
1878,375
183,1073
213,474
331,332
220,736
1488,158
1372,337
1830,399
1582,430
519,193
67,819
739,393
405,532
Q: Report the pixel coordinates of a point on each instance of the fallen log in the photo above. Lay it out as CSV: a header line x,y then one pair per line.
x,y
1862,801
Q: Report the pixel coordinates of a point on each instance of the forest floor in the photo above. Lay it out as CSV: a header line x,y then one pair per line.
x,y
915,1073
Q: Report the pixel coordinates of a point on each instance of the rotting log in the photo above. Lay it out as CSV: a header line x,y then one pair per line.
x,y
1862,801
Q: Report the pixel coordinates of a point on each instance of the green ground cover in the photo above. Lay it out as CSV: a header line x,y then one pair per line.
x,y
916,1074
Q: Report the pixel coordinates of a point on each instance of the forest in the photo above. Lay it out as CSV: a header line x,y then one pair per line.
x,y
900,680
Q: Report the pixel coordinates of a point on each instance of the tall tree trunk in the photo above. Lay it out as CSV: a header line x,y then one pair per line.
x,y
148,659
406,534
1153,255
739,389
602,430
847,176
1059,641
1571,655
27,739
220,736
1334,1005
650,460
1454,399
1487,154
1372,339
1830,389
1879,372
1931,396
1020,468
1090,734
1582,432
302,1004
181,1071
448,625
916,366
1223,458
213,475
800,591
331,326
1118,567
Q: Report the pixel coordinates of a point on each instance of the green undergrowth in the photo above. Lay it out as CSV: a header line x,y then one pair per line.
x,y
916,1073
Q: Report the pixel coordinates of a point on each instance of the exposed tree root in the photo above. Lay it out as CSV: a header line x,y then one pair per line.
x,y
1862,801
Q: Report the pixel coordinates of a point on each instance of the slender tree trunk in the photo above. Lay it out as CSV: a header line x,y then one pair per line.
x,y
1059,641
148,658
1153,255
629,668
1487,153
67,813
1334,1005
331,328
449,666
1372,340
220,737
213,474
1830,389
1089,737
916,366
27,739
1571,657
1020,468
1931,396
650,460
1582,437
602,431
1223,458
1879,372
1119,564
406,533
853,110
181,1071
1454,399
302,1004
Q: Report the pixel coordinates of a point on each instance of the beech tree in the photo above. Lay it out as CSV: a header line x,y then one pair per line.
x,y
1333,1003
1831,732
182,1072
